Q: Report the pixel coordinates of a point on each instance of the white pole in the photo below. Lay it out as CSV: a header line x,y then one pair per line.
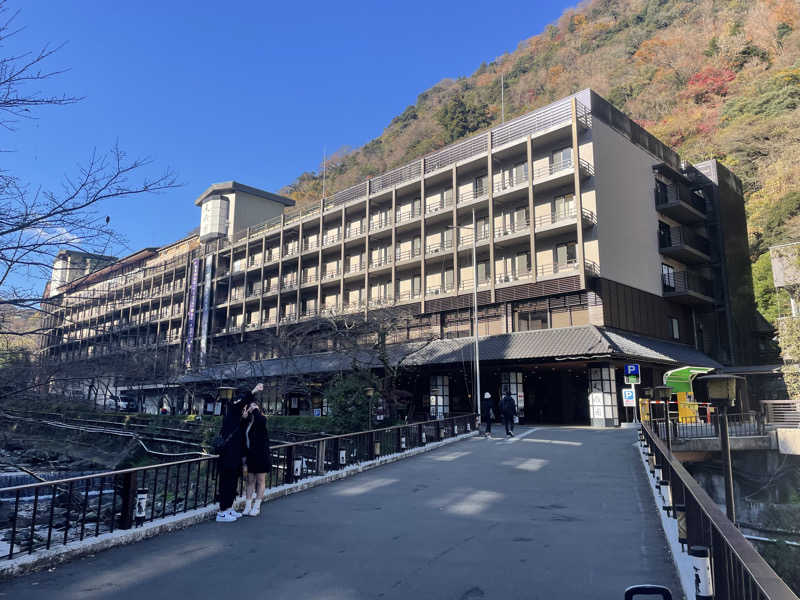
x,y
324,160
475,312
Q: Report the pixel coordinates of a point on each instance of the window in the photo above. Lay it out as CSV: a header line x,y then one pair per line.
x,y
667,278
416,285
565,254
439,398
483,272
563,207
479,186
674,328
512,383
561,159
530,320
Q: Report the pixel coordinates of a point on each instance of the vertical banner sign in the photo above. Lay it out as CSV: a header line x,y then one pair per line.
x,y
204,318
190,320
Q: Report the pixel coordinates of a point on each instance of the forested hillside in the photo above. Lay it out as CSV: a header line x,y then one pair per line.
x,y
713,78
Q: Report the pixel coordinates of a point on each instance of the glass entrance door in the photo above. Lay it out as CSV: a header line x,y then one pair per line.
x,y
511,382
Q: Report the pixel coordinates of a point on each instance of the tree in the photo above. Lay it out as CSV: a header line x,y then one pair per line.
x,y
459,119
35,223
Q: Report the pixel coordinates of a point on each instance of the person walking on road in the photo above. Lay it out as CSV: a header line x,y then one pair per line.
x,y
508,407
257,455
230,454
486,413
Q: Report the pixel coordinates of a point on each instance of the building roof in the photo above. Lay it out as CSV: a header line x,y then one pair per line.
x,y
227,187
569,343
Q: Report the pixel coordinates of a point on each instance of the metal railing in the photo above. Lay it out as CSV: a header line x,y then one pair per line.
x,y
670,195
571,266
465,238
380,223
407,254
739,425
456,152
517,227
407,215
431,249
310,245
355,268
395,177
512,277
468,196
681,282
784,413
737,570
564,215
432,208
682,236
510,182
540,120
381,261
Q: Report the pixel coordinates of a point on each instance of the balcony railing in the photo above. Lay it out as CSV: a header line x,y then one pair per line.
x,y
331,238
407,254
330,275
467,284
509,183
309,245
559,216
289,317
512,229
469,196
571,266
412,295
355,268
678,236
380,223
436,207
354,231
512,277
380,261
309,278
681,282
438,290
670,195
431,249
290,251
380,301
289,284
406,216
465,239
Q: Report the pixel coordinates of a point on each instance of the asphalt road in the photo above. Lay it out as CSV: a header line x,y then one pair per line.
x,y
556,513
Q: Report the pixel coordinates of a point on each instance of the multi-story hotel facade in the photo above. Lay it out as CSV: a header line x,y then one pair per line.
x,y
595,245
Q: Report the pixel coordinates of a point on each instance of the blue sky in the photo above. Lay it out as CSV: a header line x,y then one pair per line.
x,y
250,91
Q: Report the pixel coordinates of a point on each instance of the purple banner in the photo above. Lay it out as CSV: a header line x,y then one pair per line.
x,y
190,320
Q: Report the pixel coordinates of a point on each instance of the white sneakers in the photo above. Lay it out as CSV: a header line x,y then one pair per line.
x,y
248,505
228,516
255,511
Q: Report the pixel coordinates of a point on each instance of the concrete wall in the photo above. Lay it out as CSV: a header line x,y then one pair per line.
x,y
627,231
249,210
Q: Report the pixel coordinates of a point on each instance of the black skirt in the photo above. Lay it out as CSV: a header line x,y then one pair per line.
x,y
257,462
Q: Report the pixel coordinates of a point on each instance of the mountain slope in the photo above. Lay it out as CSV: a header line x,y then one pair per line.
x,y
712,78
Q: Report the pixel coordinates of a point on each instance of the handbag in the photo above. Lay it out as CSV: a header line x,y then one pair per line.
x,y
516,419
219,443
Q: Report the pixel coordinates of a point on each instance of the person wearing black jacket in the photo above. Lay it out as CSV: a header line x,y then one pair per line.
x,y
230,459
257,457
508,407
486,412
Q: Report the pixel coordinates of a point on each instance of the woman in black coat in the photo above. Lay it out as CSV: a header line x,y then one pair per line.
x,y
257,457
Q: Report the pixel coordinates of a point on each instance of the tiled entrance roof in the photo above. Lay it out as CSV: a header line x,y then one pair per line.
x,y
570,343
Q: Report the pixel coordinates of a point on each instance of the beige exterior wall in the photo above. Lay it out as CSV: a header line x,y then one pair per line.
x,y
627,221
249,210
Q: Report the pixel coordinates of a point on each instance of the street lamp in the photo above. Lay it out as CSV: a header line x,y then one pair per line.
x,y
722,391
477,369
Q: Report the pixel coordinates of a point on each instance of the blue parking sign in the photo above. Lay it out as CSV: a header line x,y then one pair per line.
x,y
631,369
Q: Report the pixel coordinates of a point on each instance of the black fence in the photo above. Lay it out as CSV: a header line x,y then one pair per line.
x,y
683,428
58,512
738,572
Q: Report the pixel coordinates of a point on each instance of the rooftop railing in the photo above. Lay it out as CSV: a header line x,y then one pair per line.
x,y
457,152
395,177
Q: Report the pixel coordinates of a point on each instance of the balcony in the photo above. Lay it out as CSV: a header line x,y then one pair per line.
x,y
310,245
290,251
682,204
308,313
328,275
468,197
560,172
437,207
687,287
289,284
510,184
380,302
439,290
408,296
331,238
465,239
440,248
557,270
254,261
353,307
683,244
509,278
289,317
406,216
559,222
356,268
354,231
309,279
512,230
380,261
467,284
254,292
407,254
380,224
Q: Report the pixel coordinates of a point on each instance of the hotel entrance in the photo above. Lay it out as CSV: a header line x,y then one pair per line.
x,y
557,397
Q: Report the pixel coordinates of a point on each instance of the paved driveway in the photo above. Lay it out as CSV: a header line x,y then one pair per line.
x,y
554,513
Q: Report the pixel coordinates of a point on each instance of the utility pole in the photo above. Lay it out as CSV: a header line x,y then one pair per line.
x,y
475,316
324,161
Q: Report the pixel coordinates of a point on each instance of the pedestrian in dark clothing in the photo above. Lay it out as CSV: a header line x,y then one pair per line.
x,y
486,412
258,458
230,459
508,406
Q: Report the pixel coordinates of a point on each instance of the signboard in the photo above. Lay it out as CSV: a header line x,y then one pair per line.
x,y
317,412
204,315
190,317
629,397
632,375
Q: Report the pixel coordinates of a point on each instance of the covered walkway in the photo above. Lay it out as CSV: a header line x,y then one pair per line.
x,y
553,513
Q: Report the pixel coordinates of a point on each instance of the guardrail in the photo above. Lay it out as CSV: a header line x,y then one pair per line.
x,y
784,413
737,571
739,425
54,513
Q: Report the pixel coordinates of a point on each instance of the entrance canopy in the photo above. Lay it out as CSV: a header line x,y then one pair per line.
x,y
680,380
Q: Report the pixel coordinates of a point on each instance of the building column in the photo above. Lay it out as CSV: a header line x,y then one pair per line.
x,y
576,163
531,208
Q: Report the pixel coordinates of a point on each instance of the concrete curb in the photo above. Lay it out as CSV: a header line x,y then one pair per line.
x,y
47,558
